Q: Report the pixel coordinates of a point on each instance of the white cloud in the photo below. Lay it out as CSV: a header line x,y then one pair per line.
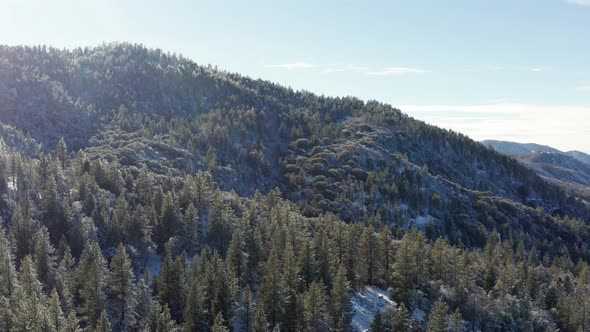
x,y
579,2
388,71
295,65
562,126
584,87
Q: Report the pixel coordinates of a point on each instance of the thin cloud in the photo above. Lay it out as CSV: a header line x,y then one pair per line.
x,y
389,71
295,65
584,87
579,2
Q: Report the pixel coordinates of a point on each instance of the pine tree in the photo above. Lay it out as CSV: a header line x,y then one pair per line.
x,y
248,309
91,283
237,260
410,266
272,289
385,239
438,318
171,285
160,320
55,313
340,299
44,258
260,323
195,312
61,152
22,229
306,266
30,312
456,322
103,324
8,275
122,290
290,281
219,324
168,220
71,323
367,248
144,301
377,325
401,319
315,309
64,280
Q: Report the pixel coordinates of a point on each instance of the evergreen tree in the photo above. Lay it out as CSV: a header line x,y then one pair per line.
x,y
219,324
315,309
122,295
410,266
272,289
401,319
61,152
103,324
385,239
91,283
171,285
438,318
30,312
71,323
237,259
64,280
456,322
340,299
44,258
248,309
377,325
367,248
22,229
195,312
55,313
260,323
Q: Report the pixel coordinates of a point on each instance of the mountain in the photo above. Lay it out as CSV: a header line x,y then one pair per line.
x,y
223,200
518,149
568,169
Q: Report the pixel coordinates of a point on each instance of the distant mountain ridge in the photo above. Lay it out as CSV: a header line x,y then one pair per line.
x,y
525,149
570,169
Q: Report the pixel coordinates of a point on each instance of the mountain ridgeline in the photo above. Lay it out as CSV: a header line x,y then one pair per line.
x,y
141,191
570,170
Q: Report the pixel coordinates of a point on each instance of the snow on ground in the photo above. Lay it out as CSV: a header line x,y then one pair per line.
x,y
365,305
10,181
422,221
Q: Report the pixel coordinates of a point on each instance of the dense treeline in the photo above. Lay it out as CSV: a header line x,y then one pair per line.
x,y
170,196
88,245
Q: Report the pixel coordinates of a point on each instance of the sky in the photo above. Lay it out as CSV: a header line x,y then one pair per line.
x,y
515,70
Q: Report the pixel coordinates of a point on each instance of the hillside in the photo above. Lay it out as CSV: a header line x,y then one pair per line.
x,y
570,170
250,201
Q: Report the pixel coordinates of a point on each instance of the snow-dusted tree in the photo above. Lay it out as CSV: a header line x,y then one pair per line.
x,y
122,295
91,275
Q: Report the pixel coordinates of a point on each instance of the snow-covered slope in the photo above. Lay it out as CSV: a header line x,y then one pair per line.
x,y
366,304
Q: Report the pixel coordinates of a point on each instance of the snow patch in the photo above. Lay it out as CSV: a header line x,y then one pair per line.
x,y
366,304
422,221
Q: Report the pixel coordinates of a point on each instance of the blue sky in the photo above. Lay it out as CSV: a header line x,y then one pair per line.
x,y
515,70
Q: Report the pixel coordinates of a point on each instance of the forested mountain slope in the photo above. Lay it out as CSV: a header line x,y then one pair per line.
x,y
258,207
570,170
